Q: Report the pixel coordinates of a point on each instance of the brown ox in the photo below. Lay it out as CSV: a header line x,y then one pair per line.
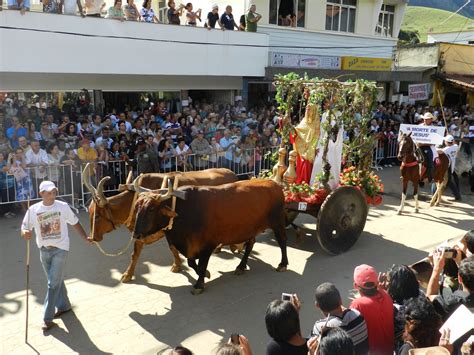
x,y
111,212
213,215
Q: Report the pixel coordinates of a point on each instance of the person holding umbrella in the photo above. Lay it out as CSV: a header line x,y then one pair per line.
x,y
49,218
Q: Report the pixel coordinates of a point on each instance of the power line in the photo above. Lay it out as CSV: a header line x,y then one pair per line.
x,y
187,42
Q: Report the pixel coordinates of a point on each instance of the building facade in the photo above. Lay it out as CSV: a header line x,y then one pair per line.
x,y
325,38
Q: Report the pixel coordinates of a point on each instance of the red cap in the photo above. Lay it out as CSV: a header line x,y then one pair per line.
x,y
364,274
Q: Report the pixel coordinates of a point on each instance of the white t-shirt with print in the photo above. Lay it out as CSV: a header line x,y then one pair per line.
x,y
50,224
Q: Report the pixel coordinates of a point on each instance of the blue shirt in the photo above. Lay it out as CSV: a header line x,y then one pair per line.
x,y
228,21
20,132
6,181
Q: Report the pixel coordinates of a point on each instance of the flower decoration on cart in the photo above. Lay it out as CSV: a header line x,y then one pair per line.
x,y
369,184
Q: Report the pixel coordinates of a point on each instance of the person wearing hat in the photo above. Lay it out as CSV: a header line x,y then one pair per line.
x,y
376,306
213,18
451,150
146,159
429,150
49,218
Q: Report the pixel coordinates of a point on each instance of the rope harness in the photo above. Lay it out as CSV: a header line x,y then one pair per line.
x,y
113,225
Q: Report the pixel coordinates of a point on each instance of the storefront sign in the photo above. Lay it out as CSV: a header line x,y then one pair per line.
x,y
367,64
288,60
418,92
424,134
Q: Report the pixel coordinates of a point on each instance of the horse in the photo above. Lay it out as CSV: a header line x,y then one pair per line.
x,y
409,170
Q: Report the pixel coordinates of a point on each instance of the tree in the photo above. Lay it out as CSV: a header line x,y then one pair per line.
x,y
409,37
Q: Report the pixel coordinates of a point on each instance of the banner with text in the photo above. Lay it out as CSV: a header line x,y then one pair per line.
x,y
366,64
424,134
419,92
289,60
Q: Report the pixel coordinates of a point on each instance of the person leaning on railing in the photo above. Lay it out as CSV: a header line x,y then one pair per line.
x,y
7,189
115,12
131,11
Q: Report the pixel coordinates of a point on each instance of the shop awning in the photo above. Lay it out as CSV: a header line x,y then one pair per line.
x,y
465,82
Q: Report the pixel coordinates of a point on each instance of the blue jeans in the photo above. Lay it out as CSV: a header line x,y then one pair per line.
x,y
54,263
428,153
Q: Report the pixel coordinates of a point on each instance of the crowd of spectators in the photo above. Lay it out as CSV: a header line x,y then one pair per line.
x,y
130,12
37,138
390,313
35,141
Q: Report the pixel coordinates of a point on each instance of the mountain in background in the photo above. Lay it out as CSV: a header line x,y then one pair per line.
x,y
425,20
448,5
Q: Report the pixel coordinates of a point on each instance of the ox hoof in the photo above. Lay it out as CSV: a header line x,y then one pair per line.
x,y
236,249
176,268
399,212
417,210
281,268
197,291
208,274
126,278
239,271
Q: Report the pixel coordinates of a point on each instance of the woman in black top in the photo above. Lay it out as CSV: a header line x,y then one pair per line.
x,y
283,325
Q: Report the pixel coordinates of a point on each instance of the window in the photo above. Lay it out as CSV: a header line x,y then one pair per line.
x,y
340,15
162,11
385,26
290,13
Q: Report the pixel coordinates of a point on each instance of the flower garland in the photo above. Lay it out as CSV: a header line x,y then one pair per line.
x,y
369,184
305,193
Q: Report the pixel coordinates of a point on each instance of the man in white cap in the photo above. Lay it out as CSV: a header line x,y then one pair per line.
x,y
50,218
451,150
429,150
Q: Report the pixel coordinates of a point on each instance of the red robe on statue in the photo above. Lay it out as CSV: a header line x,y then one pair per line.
x,y
303,167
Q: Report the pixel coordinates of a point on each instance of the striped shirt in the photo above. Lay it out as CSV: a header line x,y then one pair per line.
x,y
353,323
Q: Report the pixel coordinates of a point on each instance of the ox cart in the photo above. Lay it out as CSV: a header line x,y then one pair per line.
x,y
326,123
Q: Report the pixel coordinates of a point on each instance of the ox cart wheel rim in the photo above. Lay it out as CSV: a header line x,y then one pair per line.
x,y
341,220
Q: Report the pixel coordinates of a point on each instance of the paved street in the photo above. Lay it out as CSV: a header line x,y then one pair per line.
x,y
156,310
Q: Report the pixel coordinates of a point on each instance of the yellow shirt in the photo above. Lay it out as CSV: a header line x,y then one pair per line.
x,y
90,155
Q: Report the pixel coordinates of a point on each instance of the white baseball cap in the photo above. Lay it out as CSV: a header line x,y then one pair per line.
x,y
47,186
449,138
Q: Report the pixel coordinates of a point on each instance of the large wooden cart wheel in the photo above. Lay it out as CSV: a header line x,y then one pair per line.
x,y
341,219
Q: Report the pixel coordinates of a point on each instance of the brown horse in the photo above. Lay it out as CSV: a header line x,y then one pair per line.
x,y
409,169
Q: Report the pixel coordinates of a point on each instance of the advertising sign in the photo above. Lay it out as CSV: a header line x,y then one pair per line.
x,y
367,64
289,60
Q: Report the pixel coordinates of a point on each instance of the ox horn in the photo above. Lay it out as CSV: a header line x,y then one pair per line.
x,y
139,188
168,193
100,191
129,178
86,180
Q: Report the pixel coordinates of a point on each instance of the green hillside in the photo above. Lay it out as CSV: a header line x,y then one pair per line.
x,y
423,19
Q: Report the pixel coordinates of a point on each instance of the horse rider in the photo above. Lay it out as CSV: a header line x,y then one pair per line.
x,y
429,150
451,150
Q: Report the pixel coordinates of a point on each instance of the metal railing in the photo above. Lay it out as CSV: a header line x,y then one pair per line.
x,y
18,184
385,153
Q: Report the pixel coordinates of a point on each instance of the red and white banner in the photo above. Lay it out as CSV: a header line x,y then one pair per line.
x,y
418,92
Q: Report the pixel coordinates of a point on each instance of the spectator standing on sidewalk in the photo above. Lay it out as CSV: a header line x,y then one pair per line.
x,y
16,131
146,159
201,148
37,158
376,307
213,18
49,218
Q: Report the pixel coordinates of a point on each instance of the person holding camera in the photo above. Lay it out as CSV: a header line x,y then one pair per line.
x,y
237,345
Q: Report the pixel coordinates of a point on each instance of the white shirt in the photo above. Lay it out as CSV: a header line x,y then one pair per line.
x,y
37,159
50,224
451,152
107,142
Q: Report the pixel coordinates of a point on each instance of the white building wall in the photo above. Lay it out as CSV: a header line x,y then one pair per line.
x,y
149,50
333,43
450,37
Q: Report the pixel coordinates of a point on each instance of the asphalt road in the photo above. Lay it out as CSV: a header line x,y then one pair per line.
x,y
157,311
